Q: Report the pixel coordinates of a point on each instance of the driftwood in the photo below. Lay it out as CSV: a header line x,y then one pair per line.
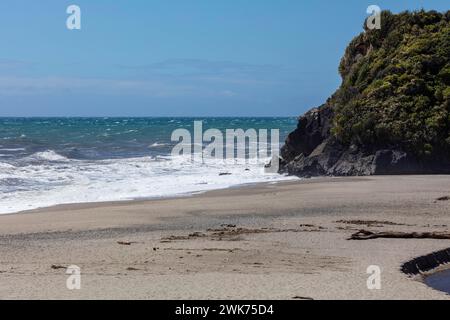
x,y
367,235
55,267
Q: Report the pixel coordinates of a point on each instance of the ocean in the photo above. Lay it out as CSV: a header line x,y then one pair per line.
x,y
50,161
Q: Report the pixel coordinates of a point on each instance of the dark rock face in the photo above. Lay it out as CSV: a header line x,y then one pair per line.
x,y
311,150
312,129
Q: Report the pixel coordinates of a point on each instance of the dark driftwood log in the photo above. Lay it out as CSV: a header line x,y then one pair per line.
x,y
367,235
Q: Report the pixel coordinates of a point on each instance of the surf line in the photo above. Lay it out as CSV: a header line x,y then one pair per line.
x,y
250,145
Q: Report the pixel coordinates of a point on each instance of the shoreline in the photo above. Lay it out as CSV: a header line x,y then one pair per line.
x,y
95,204
265,241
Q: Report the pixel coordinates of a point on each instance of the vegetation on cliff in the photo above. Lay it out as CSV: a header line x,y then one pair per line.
x,y
396,86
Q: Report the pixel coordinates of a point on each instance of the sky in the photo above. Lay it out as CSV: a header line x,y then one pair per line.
x,y
177,57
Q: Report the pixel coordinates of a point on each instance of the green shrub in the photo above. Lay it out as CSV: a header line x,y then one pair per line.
x,y
395,89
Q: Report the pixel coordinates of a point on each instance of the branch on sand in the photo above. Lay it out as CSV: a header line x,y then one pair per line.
x,y
367,235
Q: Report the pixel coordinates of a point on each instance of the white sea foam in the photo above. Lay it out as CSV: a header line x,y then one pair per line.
x,y
48,155
12,149
6,166
59,180
157,144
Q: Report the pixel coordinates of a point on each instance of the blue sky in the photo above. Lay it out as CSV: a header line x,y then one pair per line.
x,y
177,57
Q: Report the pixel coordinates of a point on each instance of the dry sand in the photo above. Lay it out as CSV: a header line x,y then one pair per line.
x,y
272,241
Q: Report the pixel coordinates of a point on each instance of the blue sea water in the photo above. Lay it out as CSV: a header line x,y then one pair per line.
x,y
439,281
50,161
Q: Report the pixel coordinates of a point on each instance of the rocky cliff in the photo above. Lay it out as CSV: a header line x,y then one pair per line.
x,y
391,114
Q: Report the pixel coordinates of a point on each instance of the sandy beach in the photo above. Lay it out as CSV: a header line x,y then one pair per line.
x,y
268,241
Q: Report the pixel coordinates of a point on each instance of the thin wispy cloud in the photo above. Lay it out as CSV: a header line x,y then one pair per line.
x,y
214,73
25,86
169,78
11,64
200,66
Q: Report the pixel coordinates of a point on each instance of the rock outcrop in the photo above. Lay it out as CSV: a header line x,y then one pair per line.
x,y
364,129
311,150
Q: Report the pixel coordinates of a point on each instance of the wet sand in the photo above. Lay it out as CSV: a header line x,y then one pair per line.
x,y
269,241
